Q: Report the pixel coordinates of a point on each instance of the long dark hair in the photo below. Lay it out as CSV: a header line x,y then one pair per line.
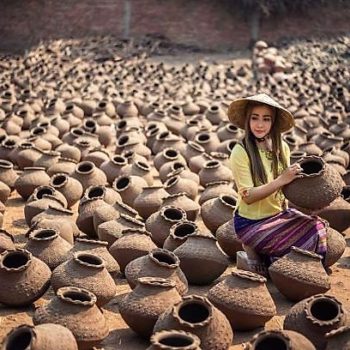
x,y
278,157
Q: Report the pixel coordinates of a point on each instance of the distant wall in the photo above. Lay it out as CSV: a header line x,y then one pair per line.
x,y
203,23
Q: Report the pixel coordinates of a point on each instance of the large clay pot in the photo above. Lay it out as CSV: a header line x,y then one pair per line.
x,y
158,263
89,175
27,154
193,149
319,185
314,317
85,270
228,240
75,309
176,184
7,242
7,173
215,189
245,300
278,340
27,278
299,275
42,337
129,187
212,171
173,339
199,316
199,250
336,245
141,308
64,165
338,338
47,159
167,155
48,246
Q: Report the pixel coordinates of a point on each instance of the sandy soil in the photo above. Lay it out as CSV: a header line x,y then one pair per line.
x,y
121,337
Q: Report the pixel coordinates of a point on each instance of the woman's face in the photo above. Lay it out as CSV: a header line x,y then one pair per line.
x,y
260,120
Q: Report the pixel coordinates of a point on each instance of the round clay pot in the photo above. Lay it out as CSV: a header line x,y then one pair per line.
x,y
47,159
314,317
169,167
196,163
338,338
141,169
129,187
69,152
108,194
278,340
173,339
112,168
64,165
176,184
192,150
212,171
7,242
199,316
199,250
130,246
209,141
27,278
179,232
89,175
299,274
27,155
310,148
85,270
5,192
215,189
167,155
97,156
319,185
295,156
42,337
244,299
75,309
151,297
7,174
336,245
48,246
228,240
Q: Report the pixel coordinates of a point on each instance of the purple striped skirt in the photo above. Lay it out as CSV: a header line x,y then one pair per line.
x,y
274,236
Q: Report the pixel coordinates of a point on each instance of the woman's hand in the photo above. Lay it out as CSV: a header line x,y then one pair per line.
x,y
290,174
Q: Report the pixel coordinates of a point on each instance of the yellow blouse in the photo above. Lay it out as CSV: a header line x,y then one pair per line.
x,y
263,208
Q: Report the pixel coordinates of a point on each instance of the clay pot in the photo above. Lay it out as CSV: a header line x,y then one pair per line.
x,y
336,245
27,278
279,339
75,309
89,175
48,246
299,274
149,200
196,163
6,241
71,188
5,192
199,316
180,200
47,159
215,114
64,165
338,338
212,171
244,299
310,148
27,154
169,167
141,308
319,185
103,213
98,248
85,270
176,184
209,141
192,150
129,187
215,189
8,149
167,155
113,167
217,211
41,191
29,180
173,339
97,156
107,194
314,317
160,222
157,263
7,175
228,132
130,246
295,156
127,109
140,169
43,337
184,173
199,250
69,152
178,234
228,240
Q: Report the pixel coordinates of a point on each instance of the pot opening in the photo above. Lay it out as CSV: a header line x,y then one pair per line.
x,y
77,296
214,108
45,233
45,190
178,165
172,181
164,258
153,132
212,163
119,160
203,137
184,230
21,339
90,124
297,154
121,125
122,183
173,214
271,341
176,341
59,180
15,260
346,193
194,312
171,153
38,131
102,104
229,200
311,167
69,108
143,166
77,132
9,142
290,139
90,259
325,309
123,140
163,135
85,167
96,191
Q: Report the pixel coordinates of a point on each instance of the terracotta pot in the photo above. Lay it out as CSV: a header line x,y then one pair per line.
x,y
7,175
173,339
64,165
130,246
336,245
310,148
47,159
314,317
42,337
8,149
179,232
103,213
299,274
192,150
85,270
158,263
129,187
160,222
209,141
48,246
141,308
184,173
27,278
27,154
212,171
338,338
228,240
215,114
107,194
89,175
69,152
199,316
6,241
297,155
279,339
5,192
196,251
169,167
177,184
140,169
97,156
244,299
75,309
228,132
167,155
319,185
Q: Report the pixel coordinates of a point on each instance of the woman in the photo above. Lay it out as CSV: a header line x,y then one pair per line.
x,y
261,167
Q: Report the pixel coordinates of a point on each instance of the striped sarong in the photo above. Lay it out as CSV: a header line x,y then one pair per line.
x,y
273,237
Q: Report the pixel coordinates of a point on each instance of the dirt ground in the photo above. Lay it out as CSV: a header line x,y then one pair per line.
x,y
121,337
